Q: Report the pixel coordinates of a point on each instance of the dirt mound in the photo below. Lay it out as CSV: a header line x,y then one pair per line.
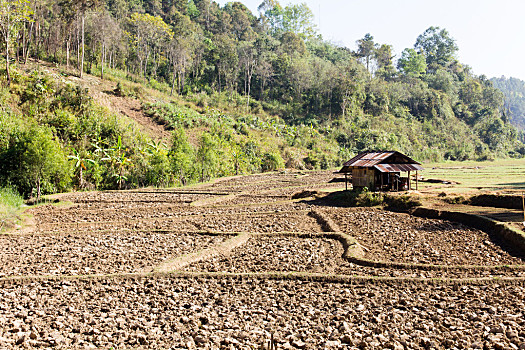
x,y
497,200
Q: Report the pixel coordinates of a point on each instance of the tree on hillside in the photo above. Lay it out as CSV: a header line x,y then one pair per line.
x,y
383,56
148,35
13,13
182,48
437,45
271,14
241,20
248,60
299,19
411,63
107,33
366,49
35,162
82,7
227,60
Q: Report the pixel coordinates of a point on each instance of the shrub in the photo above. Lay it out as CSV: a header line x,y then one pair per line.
x,y
404,202
455,200
271,161
35,161
10,203
368,199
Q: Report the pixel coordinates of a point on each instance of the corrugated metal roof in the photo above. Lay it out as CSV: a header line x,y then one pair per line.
x,y
368,158
394,168
376,159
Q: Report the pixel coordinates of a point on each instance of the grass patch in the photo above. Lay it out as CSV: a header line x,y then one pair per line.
x,y
10,204
475,177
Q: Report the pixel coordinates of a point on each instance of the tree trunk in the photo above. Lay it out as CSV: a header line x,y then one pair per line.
x,y
38,192
146,64
7,59
82,59
28,43
173,82
81,177
24,42
68,47
102,63
17,44
38,33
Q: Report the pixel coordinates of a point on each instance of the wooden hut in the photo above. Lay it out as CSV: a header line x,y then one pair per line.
x,y
380,171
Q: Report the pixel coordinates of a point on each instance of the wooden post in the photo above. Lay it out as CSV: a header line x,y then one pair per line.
x,y
408,185
416,181
523,204
346,181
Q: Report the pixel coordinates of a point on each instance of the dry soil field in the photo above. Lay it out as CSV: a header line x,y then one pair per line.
x,y
238,264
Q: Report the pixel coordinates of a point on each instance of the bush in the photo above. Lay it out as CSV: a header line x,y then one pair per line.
x,y
271,161
10,198
404,202
355,198
10,203
455,200
35,161
368,199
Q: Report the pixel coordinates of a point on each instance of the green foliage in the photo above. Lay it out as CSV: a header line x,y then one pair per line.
x,y
514,91
437,45
356,198
412,63
366,198
10,199
402,202
271,161
455,200
35,162
10,203
182,156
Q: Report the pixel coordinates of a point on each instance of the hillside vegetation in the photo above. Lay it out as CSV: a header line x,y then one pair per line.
x,y
238,92
514,91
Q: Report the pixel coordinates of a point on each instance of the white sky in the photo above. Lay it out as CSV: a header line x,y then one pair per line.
x,y
490,34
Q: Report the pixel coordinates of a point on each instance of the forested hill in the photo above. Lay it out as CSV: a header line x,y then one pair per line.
x,y
240,92
514,91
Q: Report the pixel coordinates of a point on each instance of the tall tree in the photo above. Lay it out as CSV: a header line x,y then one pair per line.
x,y
271,14
106,32
412,63
437,45
299,19
366,49
82,7
13,13
147,34
383,56
248,60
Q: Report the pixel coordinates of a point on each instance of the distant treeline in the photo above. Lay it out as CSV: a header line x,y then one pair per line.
x,y
514,91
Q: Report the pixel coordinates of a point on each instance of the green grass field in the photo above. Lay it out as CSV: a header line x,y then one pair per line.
x,y
506,175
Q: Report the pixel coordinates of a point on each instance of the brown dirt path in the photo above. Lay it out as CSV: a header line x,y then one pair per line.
x,y
102,92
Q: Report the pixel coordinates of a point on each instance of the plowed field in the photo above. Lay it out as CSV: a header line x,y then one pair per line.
x,y
243,263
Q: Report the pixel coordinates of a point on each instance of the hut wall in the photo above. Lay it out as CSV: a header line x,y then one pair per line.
x,y
363,177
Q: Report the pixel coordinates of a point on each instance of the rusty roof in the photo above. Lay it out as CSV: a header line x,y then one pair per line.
x,y
395,168
384,161
368,158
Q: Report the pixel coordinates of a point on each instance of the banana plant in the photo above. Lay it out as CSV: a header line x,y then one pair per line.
x,y
118,159
81,162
